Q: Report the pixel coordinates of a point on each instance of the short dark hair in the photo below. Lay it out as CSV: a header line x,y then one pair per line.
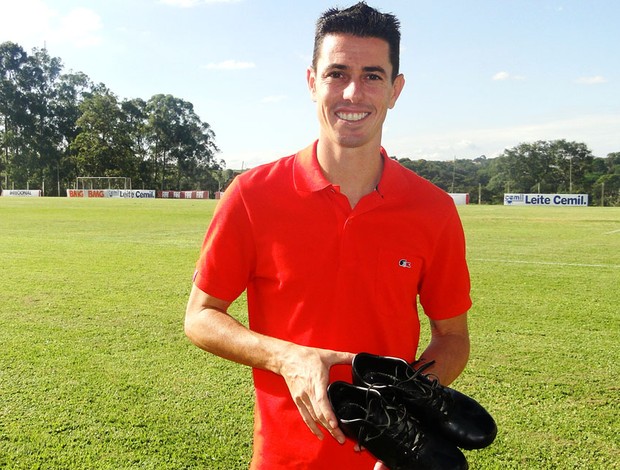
x,y
362,21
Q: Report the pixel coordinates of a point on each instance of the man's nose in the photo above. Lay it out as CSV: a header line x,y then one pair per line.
x,y
353,90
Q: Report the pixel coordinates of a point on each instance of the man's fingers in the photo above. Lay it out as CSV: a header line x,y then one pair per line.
x,y
314,416
326,415
332,427
306,372
310,419
340,357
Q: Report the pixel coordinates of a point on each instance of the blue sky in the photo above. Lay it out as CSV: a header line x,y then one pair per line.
x,y
482,75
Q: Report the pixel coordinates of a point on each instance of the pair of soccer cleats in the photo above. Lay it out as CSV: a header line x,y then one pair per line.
x,y
406,418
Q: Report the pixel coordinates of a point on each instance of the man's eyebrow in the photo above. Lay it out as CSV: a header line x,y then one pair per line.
x,y
375,69
367,69
336,66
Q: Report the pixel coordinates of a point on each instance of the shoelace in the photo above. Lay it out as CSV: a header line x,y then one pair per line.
x,y
426,385
398,426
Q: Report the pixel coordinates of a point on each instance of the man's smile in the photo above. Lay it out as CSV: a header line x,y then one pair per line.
x,y
352,116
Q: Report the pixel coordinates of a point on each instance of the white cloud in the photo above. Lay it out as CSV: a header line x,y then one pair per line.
x,y
230,65
193,3
500,76
596,80
25,20
33,23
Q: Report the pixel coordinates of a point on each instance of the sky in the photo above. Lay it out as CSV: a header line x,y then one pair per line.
x,y
481,75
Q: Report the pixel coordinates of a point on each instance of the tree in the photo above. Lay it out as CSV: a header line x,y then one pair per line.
x,y
71,90
12,104
103,145
544,166
456,176
613,163
136,121
37,115
437,172
606,188
40,133
182,145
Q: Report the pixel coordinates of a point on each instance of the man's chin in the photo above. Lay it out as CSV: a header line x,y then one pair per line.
x,y
352,141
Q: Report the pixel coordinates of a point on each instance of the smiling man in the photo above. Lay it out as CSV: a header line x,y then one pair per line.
x,y
352,82
335,245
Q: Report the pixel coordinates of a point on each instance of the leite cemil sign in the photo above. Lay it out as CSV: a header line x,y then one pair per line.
x,y
559,200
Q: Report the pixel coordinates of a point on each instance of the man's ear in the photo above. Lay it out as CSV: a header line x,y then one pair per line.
x,y
397,87
311,79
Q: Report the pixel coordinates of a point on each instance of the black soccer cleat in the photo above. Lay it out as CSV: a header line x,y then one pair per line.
x,y
389,432
459,418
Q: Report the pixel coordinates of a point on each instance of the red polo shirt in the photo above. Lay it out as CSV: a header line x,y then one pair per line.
x,y
321,274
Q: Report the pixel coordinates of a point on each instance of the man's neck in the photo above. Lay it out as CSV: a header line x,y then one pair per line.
x,y
356,171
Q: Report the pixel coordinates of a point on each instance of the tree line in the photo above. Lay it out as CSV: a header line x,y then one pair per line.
x,y
556,166
57,126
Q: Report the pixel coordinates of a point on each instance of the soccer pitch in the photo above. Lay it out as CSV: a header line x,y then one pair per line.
x,y
95,371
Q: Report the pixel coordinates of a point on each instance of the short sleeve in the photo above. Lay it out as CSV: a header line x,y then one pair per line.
x,y
227,257
445,288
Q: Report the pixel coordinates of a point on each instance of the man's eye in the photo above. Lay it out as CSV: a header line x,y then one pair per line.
x,y
374,76
335,75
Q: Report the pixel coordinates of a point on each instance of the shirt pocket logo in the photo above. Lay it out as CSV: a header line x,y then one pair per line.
x,y
398,278
403,263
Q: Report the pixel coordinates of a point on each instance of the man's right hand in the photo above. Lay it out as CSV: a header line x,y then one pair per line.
x,y
306,372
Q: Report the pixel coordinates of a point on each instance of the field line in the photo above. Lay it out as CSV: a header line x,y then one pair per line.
x,y
612,232
546,263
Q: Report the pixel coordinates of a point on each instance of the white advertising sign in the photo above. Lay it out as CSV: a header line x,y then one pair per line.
x,y
560,200
21,192
460,198
121,193
183,194
133,193
86,193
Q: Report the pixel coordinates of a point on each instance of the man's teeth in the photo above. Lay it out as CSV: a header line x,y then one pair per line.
x,y
352,116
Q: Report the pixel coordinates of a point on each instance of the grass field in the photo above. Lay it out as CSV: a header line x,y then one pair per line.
x,y
95,372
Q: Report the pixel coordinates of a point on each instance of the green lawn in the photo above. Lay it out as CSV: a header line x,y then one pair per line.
x,y
95,371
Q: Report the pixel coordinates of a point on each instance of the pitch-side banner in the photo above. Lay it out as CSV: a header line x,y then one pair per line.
x,y
460,198
561,200
21,192
183,194
122,193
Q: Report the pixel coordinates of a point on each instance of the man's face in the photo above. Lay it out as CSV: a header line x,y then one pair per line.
x,y
353,89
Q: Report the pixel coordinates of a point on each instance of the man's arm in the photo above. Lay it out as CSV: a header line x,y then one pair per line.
x,y
305,370
449,348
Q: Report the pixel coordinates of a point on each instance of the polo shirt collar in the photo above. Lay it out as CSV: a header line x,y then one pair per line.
x,y
393,181
308,176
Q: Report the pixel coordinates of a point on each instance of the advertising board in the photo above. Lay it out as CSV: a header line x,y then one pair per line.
x,y
133,193
115,193
559,200
183,194
21,193
460,199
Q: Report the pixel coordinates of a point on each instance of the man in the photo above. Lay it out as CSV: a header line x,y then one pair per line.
x,y
334,245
